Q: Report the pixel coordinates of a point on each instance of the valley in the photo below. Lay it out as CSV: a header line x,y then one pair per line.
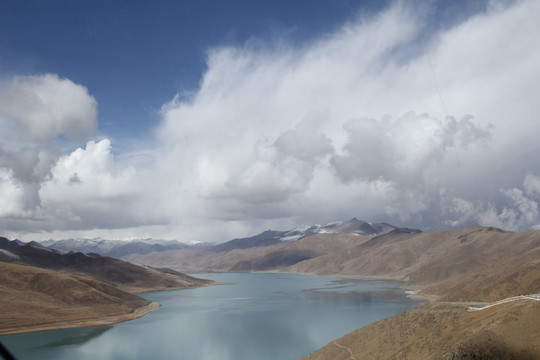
x,y
453,269
469,264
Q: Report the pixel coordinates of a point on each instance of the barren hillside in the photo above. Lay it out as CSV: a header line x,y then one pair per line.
x,y
38,299
268,251
478,263
131,277
445,331
471,264
43,289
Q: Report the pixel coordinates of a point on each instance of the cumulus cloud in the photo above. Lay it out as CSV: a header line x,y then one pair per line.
x,y
396,117
34,112
384,119
12,195
47,106
45,190
532,185
401,149
92,167
88,188
517,211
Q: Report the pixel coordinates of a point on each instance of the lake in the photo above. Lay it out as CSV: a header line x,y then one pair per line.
x,y
257,316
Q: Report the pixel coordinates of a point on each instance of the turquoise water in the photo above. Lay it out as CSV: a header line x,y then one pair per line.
x,y
258,316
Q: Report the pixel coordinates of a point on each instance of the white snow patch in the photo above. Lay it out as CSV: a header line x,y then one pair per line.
x,y
9,253
291,237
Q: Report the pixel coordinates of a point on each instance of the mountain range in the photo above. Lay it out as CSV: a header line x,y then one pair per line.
x,y
454,269
114,248
477,263
269,250
119,248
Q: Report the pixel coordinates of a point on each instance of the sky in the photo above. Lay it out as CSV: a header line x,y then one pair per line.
x,y
210,120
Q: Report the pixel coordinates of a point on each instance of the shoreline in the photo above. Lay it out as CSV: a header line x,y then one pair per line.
x,y
412,291
445,312
137,290
94,321
102,320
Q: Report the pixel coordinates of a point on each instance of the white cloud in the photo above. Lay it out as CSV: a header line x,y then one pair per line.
x,y
34,111
517,211
392,124
265,121
13,196
47,106
87,188
401,150
87,174
525,207
42,189
379,120
532,185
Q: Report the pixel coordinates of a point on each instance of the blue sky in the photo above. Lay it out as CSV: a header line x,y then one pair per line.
x,y
183,119
135,55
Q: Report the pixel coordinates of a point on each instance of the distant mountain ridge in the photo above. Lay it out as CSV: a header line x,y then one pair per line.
x,y
115,248
477,263
270,249
269,237
121,248
352,226
453,267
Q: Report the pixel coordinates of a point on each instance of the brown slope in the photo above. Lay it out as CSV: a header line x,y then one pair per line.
x,y
43,289
265,251
293,252
387,255
257,258
478,263
130,277
482,264
445,331
200,260
470,264
38,299
488,264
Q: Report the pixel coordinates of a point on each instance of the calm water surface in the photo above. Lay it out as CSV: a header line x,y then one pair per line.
x,y
259,316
